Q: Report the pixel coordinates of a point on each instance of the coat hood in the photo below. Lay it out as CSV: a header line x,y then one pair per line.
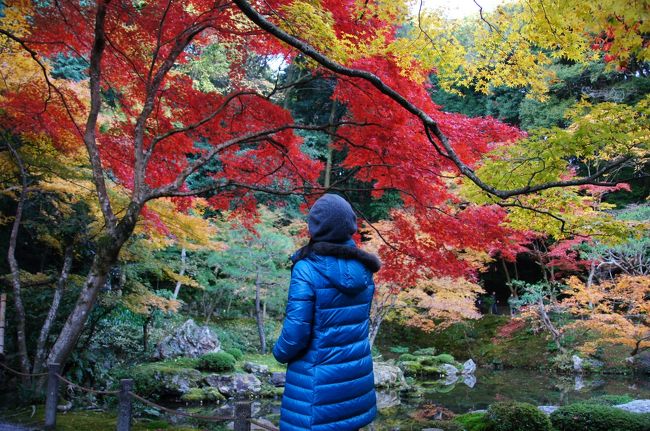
x,y
351,270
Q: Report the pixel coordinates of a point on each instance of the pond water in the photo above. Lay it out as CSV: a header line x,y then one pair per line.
x,y
409,410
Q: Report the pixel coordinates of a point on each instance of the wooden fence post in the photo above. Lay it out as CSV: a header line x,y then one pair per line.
x,y
52,396
243,412
126,406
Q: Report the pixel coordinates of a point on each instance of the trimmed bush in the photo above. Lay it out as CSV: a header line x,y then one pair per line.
x,y
236,353
399,349
473,421
513,416
218,362
444,358
595,417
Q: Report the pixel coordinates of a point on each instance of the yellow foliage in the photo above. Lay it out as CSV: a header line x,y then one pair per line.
x,y
142,301
618,310
437,303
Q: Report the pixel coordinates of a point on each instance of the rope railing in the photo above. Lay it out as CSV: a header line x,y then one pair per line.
x,y
242,416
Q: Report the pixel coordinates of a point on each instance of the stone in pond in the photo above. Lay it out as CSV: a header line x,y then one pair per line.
x,y
469,380
257,369
387,375
278,378
448,369
189,340
469,367
235,384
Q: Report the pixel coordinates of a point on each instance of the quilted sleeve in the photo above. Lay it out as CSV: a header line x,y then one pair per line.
x,y
297,326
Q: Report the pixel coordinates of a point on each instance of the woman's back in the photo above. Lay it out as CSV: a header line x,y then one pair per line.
x,y
330,383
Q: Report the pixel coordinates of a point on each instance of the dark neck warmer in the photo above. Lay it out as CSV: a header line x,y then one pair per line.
x,y
342,251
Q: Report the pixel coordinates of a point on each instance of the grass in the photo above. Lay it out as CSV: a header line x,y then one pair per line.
x,y
84,420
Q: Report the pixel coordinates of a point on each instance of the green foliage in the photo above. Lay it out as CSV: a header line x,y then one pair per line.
x,y
609,400
427,351
513,416
595,417
473,421
399,349
69,66
235,352
447,425
218,362
444,358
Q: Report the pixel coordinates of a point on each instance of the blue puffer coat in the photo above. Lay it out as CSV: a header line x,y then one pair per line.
x,y
330,382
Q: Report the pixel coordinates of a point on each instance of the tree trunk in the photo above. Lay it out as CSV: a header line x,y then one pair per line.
x,y
106,256
182,272
331,130
258,313
145,333
549,325
3,310
21,336
41,345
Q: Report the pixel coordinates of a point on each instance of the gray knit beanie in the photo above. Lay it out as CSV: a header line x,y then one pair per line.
x,y
331,219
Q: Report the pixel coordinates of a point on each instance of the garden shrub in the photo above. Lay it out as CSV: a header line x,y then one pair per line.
x,y
596,417
447,426
444,358
236,353
218,362
473,421
513,416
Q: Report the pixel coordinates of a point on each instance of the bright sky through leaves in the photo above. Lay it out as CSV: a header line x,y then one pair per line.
x,y
458,8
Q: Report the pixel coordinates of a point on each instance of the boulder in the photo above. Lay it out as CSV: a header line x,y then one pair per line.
x,y
387,375
448,369
189,340
278,378
577,363
162,379
259,370
641,362
233,385
469,367
588,365
636,406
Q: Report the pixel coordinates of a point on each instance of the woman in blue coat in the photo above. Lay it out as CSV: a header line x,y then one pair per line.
x,y
324,340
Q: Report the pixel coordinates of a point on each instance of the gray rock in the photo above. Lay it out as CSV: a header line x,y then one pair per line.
x,y
432,429
177,382
641,362
448,369
636,406
259,370
387,375
469,367
547,409
235,384
577,363
278,378
189,340
387,399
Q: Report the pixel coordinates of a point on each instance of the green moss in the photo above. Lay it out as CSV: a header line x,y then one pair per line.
x,y
473,421
268,360
407,357
610,400
85,420
594,417
217,362
429,351
236,353
197,395
162,378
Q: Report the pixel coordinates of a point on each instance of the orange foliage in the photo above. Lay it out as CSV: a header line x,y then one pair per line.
x,y
617,309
